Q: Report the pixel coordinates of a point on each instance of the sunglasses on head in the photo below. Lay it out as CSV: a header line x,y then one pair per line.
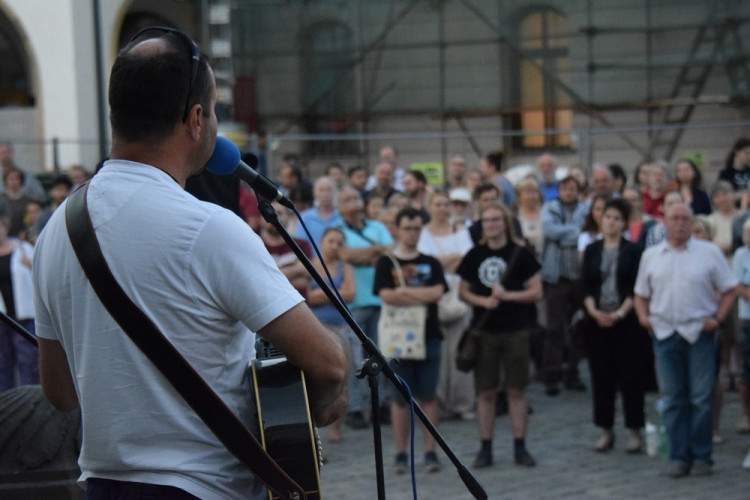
x,y
195,54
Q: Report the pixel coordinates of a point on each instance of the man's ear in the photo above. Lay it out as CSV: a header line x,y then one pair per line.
x,y
195,121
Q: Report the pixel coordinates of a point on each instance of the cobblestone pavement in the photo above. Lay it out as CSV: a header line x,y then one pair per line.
x,y
560,438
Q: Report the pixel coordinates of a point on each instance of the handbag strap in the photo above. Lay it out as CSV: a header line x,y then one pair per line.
x,y
511,264
397,267
222,421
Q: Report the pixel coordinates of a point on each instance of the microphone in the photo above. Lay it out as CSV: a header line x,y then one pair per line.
x,y
226,160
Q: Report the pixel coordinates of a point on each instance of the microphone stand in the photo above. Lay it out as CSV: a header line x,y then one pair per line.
x,y
15,326
372,366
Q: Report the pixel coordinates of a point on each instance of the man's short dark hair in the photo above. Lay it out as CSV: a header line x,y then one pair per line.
x,y
148,92
483,188
418,176
353,170
62,180
409,213
569,179
495,160
301,193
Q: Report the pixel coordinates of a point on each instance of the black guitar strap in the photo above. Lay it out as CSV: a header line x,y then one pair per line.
x,y
225,425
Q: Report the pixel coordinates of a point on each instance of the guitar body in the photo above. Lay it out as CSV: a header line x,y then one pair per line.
x,y
285,427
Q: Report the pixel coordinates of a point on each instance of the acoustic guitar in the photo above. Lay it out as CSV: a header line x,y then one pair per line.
x,y
282,419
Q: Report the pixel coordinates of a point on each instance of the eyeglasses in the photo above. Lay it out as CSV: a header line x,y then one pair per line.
x,y
195,54
490,220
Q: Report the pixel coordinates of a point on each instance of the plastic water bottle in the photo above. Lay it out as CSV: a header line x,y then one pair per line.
x,y
652,439
657,442
663,442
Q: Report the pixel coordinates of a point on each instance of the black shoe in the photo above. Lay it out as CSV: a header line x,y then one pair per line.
x,y
484,459
575,384
522,457
401,464
431,462
552,390
356,420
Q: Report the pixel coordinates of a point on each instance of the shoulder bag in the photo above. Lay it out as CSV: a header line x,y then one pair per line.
x,y
401,329
467,350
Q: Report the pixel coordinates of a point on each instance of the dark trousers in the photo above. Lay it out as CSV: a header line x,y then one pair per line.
x,y
619,358
562,300
109,489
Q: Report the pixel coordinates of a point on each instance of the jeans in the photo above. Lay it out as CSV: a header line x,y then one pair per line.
x,y
687,373
109,489
367,319
355,386
18,356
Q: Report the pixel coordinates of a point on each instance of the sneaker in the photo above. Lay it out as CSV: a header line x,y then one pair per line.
x,y
484,459
356,420
402,463
522,457
701,469
746,462
743,425
431,462
677,470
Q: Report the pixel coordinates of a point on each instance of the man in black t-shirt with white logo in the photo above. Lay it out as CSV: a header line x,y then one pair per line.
x,y
500,276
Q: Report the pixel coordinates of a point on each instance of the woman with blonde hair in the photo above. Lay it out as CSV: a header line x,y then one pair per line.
x,y
529,201
442,240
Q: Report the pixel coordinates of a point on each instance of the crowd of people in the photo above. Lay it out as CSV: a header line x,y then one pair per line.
x,y
553,269
593,279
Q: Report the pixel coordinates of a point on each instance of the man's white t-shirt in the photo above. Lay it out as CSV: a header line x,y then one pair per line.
x,y
205,279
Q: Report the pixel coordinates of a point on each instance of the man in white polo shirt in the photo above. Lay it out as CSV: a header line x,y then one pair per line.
x,y
676,293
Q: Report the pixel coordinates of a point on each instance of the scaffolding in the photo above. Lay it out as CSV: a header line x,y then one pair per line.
x,y
690,54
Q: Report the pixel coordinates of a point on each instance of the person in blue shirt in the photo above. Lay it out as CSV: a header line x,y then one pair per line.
x,y
323,214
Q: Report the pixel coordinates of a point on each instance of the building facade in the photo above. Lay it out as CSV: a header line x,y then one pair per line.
x,y
592,81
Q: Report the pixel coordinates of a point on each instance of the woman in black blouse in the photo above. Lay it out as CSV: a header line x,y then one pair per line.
x,y
618,347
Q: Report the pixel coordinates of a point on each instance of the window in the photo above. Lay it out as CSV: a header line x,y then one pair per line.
x,y
15,84
328,95
543,44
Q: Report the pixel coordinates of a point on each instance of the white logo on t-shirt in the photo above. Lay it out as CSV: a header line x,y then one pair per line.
x,y
491,271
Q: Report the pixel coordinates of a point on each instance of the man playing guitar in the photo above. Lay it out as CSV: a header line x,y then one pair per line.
x,y
195,269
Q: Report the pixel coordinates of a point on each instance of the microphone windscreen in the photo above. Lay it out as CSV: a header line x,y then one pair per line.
x,y
225,158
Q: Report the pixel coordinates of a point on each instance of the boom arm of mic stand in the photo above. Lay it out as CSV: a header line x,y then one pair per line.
x,y
269,214
23,332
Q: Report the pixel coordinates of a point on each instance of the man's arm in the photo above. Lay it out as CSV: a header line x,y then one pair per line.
x,y
641,305
318,352
57,382
364,256
412,295
555,230
465,293
726,301
531,293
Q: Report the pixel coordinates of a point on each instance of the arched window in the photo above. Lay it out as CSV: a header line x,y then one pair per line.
x,y
15,81
328,91
543,43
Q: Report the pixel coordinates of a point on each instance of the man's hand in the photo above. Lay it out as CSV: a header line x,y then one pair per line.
x,y
711,324
491,302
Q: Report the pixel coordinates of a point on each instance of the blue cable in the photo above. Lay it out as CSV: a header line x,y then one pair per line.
x,y
403,383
